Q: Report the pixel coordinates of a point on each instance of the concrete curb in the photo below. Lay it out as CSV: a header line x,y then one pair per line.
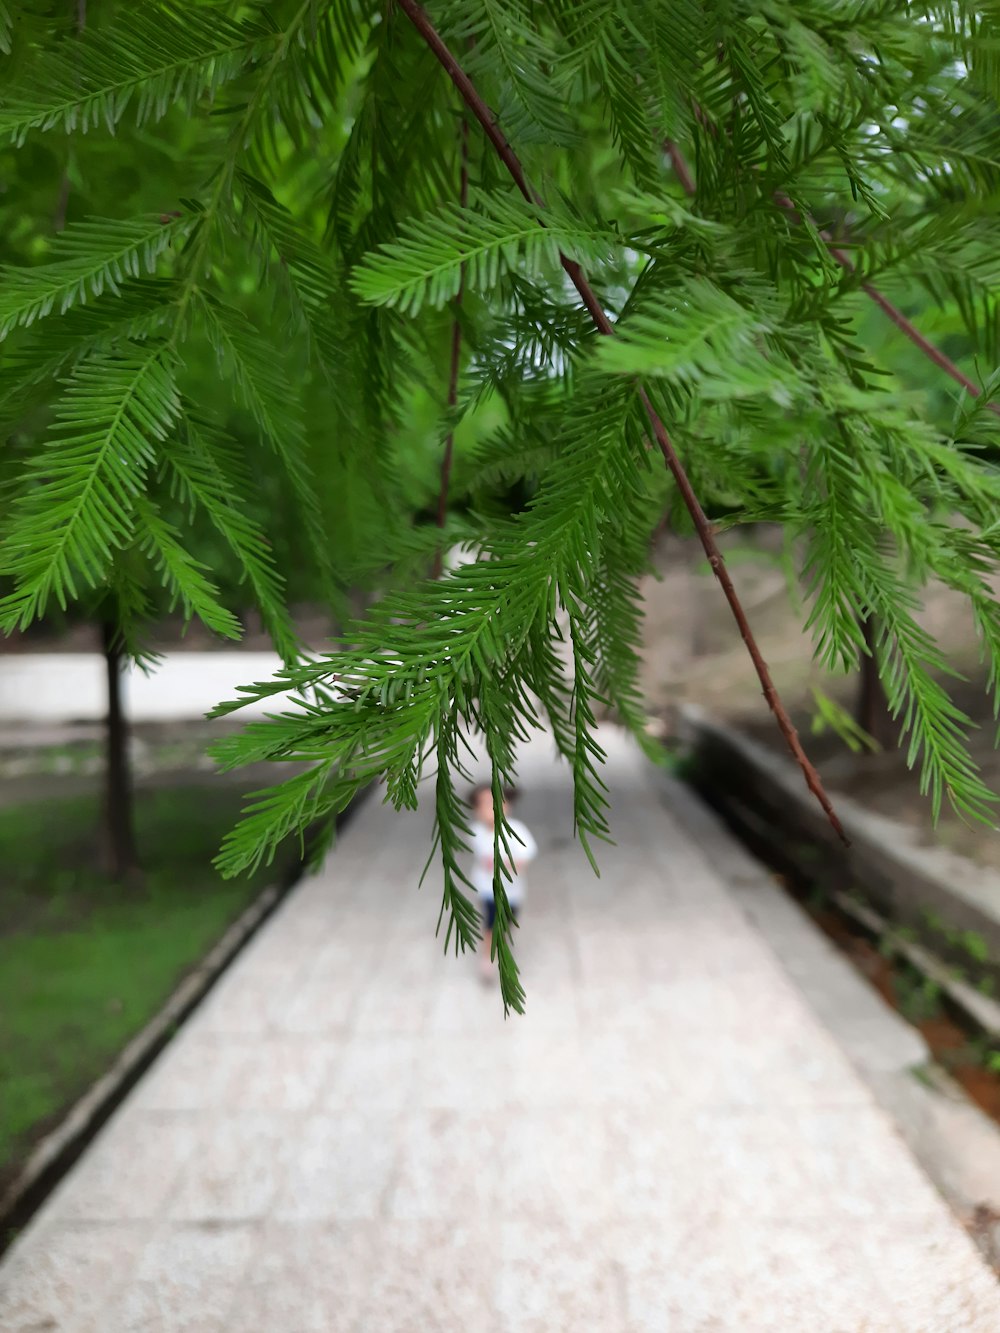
x,y
57,1152
903,879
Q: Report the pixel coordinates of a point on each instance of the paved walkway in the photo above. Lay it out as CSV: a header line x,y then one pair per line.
x,y
348,1136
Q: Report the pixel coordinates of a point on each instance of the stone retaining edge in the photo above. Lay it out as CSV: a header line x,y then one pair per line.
x,y
903,878
956,1144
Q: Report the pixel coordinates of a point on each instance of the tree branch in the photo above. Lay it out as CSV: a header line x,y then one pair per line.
x,y
905,326
681,169
421,21
456,356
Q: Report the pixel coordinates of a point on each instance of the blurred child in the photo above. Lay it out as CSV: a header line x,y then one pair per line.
x,y
522,848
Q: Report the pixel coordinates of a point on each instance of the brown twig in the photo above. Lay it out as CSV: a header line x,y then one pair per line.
x,y
681,169
62,203
456,357
482,113
886,306
910,330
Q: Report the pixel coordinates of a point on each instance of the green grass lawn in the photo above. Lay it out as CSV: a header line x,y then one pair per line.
x,y
85,963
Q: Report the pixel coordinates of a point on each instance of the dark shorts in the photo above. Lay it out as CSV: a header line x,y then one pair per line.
x,y
490,913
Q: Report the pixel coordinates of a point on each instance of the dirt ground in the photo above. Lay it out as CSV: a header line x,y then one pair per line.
x,y
694,654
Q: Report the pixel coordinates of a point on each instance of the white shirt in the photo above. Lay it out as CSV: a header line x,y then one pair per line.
x,y
523,849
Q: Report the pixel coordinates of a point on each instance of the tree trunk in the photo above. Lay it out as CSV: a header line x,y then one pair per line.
x,y
872,708
119,838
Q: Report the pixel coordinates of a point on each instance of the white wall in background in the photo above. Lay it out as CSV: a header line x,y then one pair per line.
x,y
70,687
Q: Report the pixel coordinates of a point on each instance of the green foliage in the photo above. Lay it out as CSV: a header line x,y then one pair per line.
x,y
70,990
473,244
263,364
79,505
151,58
87,260
832,716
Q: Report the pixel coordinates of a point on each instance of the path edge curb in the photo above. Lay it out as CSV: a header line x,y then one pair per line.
x,y
902,877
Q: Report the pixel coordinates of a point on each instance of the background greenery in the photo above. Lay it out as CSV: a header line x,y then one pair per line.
x,y
83,966
235,383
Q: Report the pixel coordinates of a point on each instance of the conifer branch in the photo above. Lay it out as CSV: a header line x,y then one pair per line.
x,y
681,169
421,21
906,327
891,311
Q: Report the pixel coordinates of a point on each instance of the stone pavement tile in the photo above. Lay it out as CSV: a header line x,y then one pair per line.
x,y
411,920
667,1140
131,1171
195,1073
809,1164
727,1071
706,912
549,894
376,1073
469,1073
284,947
557,1276
435,1277
339,1167
305,1278
650,858
314,916
549,1068
742,1055
552,1006
677,1161
721,1068
554,1166
186,1281
235,1170
631,1068
548,968
407,971
869,1169
317,1008
697,1001
933,1277
451,1166
392,1007
283,1074
63,1278
607,954
587,897
344,960
736,956
344,956
320,999
703,1274
461,1006
242,1003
